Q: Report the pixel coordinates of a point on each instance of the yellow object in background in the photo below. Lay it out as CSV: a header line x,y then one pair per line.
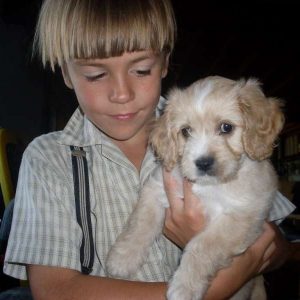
x,y
6,138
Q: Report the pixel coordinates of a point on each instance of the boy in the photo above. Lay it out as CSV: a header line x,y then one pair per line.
x,y
114,54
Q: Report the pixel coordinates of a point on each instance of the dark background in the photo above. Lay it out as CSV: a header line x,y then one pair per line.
x,y
229,38
241,39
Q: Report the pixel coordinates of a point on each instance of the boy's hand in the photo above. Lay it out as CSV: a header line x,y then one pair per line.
x,y
184,217
277,252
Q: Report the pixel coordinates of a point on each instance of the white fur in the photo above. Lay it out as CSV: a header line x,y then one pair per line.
x,y
236,193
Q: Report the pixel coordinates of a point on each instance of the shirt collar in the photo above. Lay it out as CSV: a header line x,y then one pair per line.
x,y
80,131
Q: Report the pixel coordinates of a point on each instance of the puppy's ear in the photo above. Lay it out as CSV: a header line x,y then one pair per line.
x,y
263,120
165,137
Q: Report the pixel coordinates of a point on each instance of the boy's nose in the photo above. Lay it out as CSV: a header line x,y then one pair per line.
x,y
121,91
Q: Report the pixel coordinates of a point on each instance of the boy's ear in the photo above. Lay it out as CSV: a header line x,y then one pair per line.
x,y
66,76
165,66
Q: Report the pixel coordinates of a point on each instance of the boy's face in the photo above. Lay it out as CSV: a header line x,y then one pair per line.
x,y
118,94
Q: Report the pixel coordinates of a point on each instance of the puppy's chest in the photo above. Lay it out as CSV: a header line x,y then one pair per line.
x,y
215,200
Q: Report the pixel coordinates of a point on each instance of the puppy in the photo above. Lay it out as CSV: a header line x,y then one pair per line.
x,y
217,133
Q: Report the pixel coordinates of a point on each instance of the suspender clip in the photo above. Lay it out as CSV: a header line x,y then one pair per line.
x,y
78,153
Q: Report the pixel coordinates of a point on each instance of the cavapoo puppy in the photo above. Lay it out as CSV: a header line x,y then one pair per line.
x,y
218,133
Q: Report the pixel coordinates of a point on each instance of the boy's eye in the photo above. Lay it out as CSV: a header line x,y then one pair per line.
x,y
143,72
94,77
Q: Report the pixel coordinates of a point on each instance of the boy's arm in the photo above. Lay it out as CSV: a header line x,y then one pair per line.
x,y
61,284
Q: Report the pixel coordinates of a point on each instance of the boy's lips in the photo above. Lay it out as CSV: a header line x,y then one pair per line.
x,y
124,117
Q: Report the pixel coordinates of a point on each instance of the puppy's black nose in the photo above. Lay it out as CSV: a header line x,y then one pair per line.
x,y
204,164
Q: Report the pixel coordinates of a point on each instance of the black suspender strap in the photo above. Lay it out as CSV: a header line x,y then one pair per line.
x,y
83,207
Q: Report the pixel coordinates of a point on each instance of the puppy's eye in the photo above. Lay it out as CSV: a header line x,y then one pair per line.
x,y
225,128
186,131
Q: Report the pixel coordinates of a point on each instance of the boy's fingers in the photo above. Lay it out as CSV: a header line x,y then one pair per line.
x,y
269,234
264,241
190,200
269,252
266,246
267,257
170,187
192,204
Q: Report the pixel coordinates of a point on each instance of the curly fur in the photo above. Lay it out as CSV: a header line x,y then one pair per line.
x,y
217,133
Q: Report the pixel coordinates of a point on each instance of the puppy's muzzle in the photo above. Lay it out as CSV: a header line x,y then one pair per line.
x,y
205,165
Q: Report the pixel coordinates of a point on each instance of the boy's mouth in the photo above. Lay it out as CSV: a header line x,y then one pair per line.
x,y
124,117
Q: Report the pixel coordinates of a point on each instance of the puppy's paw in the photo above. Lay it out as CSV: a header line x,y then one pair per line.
x,y
184,289
181,292
122,262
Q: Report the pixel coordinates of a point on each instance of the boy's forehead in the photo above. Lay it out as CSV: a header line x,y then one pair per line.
x,y
131,57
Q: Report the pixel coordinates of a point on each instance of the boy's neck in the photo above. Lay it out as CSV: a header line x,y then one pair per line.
x,y
134,151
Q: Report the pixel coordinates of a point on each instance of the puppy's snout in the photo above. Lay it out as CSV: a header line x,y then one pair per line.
x,y
204,164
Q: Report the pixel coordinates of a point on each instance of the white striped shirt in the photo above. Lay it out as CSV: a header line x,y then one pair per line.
x,y
45,230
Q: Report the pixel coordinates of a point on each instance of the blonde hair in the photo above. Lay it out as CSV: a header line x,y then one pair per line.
x,y
70,29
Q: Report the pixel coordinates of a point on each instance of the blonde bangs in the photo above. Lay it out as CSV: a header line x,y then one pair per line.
x,y
69,29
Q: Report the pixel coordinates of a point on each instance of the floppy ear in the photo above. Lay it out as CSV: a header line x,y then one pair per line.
x,y
165,136
263,120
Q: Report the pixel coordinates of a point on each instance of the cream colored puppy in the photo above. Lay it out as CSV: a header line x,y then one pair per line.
x,y
217,133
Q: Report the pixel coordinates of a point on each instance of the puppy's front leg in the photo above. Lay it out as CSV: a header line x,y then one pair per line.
x,y
132,246
207,253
